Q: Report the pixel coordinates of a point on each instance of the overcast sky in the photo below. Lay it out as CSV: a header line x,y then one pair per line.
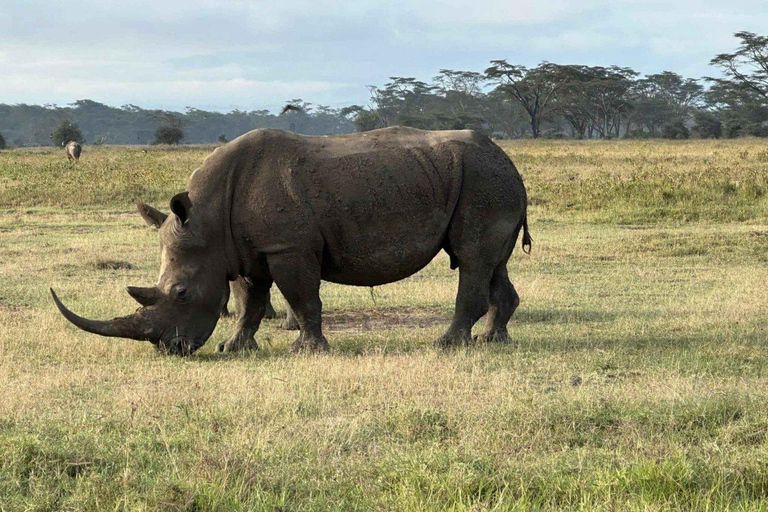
x,y
221,55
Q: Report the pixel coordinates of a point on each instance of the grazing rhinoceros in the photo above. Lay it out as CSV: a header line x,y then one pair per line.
x,y
363,209
73,150
154,217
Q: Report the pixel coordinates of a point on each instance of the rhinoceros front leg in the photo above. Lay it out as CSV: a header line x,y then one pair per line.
x,y
298,277
252,299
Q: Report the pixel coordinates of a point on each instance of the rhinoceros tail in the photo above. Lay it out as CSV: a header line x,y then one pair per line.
x,y
527,240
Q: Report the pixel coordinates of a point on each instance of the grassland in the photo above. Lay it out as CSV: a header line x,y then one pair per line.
x,y
648,281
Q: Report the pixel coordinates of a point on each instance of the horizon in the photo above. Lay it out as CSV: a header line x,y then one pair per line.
x,y
242,56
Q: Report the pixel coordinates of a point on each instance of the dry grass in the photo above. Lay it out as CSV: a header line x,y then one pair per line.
x,y
664,321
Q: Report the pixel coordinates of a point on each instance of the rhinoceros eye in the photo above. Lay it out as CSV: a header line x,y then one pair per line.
x,y
181,294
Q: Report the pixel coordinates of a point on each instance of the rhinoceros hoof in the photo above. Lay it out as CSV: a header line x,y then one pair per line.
x,y
290,323
498,336
307,344
240,341
450,340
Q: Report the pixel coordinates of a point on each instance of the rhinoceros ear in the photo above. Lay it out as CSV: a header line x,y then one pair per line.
x,y
150,215
180,206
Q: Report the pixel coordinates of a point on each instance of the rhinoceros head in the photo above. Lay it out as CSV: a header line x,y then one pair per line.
x,y
178,314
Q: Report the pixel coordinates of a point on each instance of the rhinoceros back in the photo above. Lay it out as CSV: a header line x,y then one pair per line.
x,y
376,206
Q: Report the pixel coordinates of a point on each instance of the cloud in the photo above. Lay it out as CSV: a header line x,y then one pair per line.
x,y
255,54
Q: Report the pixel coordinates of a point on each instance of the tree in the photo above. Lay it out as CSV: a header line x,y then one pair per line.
x,y
66,132
748,65
708,125
594,99
533,88
364,119
2,142
664,99
676,130
741,99
167,134
169,130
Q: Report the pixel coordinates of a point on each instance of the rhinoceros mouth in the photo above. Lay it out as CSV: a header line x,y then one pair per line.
x,y
178,345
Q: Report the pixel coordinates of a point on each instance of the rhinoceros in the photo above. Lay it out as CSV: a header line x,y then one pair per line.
x,y
154,217
360,209
73,150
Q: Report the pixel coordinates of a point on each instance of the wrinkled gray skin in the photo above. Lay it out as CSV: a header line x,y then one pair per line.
x,y
361,209
154,217
73,150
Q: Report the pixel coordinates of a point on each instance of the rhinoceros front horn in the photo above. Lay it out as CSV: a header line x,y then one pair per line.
x,y
132,326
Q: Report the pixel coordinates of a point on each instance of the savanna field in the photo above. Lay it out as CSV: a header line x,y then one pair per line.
x,y
637,378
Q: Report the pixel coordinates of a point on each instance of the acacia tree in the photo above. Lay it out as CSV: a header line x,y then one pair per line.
x,y
464,104
169,130
748,65
742,97
664,99
66,132
534,89
594,99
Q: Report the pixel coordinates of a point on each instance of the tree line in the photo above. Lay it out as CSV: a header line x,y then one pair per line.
x,y
556,100
505,100
95,123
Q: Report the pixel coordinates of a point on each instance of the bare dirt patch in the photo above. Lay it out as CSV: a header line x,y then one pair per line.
x,y
377,319
114,265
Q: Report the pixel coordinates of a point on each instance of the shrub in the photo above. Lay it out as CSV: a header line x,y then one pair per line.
x,y
708,126
167,134
2,141
676,130
66,132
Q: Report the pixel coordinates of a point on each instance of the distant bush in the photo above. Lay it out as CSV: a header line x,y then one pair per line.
x,y
638,133
2,141
708,126
166,134
66,132
223,139
676,130
757,129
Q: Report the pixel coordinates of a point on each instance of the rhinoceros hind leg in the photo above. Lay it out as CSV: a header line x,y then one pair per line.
x,y
290,323
270,313
224,305
503,303
471,304
298,277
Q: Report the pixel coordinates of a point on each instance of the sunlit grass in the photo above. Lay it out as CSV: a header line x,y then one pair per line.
x,y
663,316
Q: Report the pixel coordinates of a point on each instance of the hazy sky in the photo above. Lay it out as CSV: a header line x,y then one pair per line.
x,y
222,55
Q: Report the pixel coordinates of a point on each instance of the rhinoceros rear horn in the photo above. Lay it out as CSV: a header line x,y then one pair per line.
x,y
151,216
132,326
145,296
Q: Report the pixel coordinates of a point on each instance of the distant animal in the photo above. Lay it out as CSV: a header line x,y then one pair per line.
x,y
361,209
73,150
